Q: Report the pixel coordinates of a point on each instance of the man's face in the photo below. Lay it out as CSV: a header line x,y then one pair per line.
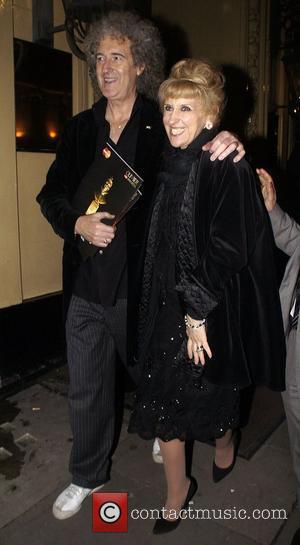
x,y
116,72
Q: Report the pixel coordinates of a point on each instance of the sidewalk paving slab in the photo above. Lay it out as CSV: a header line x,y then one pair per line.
x,y
266,481
38,527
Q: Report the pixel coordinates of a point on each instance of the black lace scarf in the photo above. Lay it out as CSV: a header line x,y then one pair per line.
x,y
176,169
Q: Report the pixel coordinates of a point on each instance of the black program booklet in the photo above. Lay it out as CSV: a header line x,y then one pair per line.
x,y
110,185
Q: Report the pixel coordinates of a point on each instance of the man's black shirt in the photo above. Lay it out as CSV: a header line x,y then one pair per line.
x,y
103,278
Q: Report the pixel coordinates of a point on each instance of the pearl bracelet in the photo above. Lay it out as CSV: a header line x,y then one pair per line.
x,y
194,326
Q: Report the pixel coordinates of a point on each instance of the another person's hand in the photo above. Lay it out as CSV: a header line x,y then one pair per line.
x,y
223,144
92,229
197,342
267,188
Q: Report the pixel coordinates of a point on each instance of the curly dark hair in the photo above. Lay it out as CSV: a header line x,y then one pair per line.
x,y
146,48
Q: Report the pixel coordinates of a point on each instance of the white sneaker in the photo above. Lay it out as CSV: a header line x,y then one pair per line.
x,y
70,500
156,454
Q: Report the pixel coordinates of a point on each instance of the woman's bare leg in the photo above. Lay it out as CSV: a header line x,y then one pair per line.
x,y
224,450
173,453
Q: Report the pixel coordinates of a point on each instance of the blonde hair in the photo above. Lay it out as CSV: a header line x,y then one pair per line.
x,y
193,78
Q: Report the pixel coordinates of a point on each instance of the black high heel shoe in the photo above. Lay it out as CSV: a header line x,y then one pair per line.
x,y
162,526
220,472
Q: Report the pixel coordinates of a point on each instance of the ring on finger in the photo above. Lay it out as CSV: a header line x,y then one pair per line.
x,y
105,241
199,349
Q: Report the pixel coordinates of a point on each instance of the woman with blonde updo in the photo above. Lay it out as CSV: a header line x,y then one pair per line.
x,y
210,319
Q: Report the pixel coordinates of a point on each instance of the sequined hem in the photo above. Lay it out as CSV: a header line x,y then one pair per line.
x,y
203,412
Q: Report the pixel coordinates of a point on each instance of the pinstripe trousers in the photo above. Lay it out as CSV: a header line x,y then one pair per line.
x,y
95,335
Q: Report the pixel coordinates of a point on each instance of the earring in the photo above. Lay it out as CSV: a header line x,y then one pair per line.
x,y
208,125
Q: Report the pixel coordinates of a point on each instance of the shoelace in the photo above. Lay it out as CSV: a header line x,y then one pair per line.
x,y
73,491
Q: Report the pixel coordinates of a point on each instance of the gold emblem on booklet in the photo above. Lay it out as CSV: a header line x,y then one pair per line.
x,y
100,197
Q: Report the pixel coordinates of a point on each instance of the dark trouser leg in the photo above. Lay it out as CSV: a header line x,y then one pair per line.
x,y
115,318
91,356
291,400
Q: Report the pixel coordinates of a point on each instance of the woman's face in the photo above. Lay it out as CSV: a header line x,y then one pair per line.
x,y
183,119
115,69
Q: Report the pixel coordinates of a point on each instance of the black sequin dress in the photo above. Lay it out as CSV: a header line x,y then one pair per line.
x,y
173,398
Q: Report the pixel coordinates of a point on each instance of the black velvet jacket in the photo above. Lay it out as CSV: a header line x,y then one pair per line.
x,y
74,156
226,273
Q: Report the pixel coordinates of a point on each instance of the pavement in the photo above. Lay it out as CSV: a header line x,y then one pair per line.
x,y
254,505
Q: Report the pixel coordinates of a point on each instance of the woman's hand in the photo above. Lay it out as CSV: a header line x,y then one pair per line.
x,y
197,343
223,144
267,188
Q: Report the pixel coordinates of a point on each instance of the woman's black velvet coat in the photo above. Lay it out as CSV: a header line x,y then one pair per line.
x,y
226,273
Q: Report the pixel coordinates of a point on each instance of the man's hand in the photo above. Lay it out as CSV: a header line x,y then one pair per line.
x,y
92,229
267,188
222,145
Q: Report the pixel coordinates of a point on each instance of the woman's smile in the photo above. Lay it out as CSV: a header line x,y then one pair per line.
x,y
183,119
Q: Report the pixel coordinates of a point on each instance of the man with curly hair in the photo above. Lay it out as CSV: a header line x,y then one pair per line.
x,y
125,58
